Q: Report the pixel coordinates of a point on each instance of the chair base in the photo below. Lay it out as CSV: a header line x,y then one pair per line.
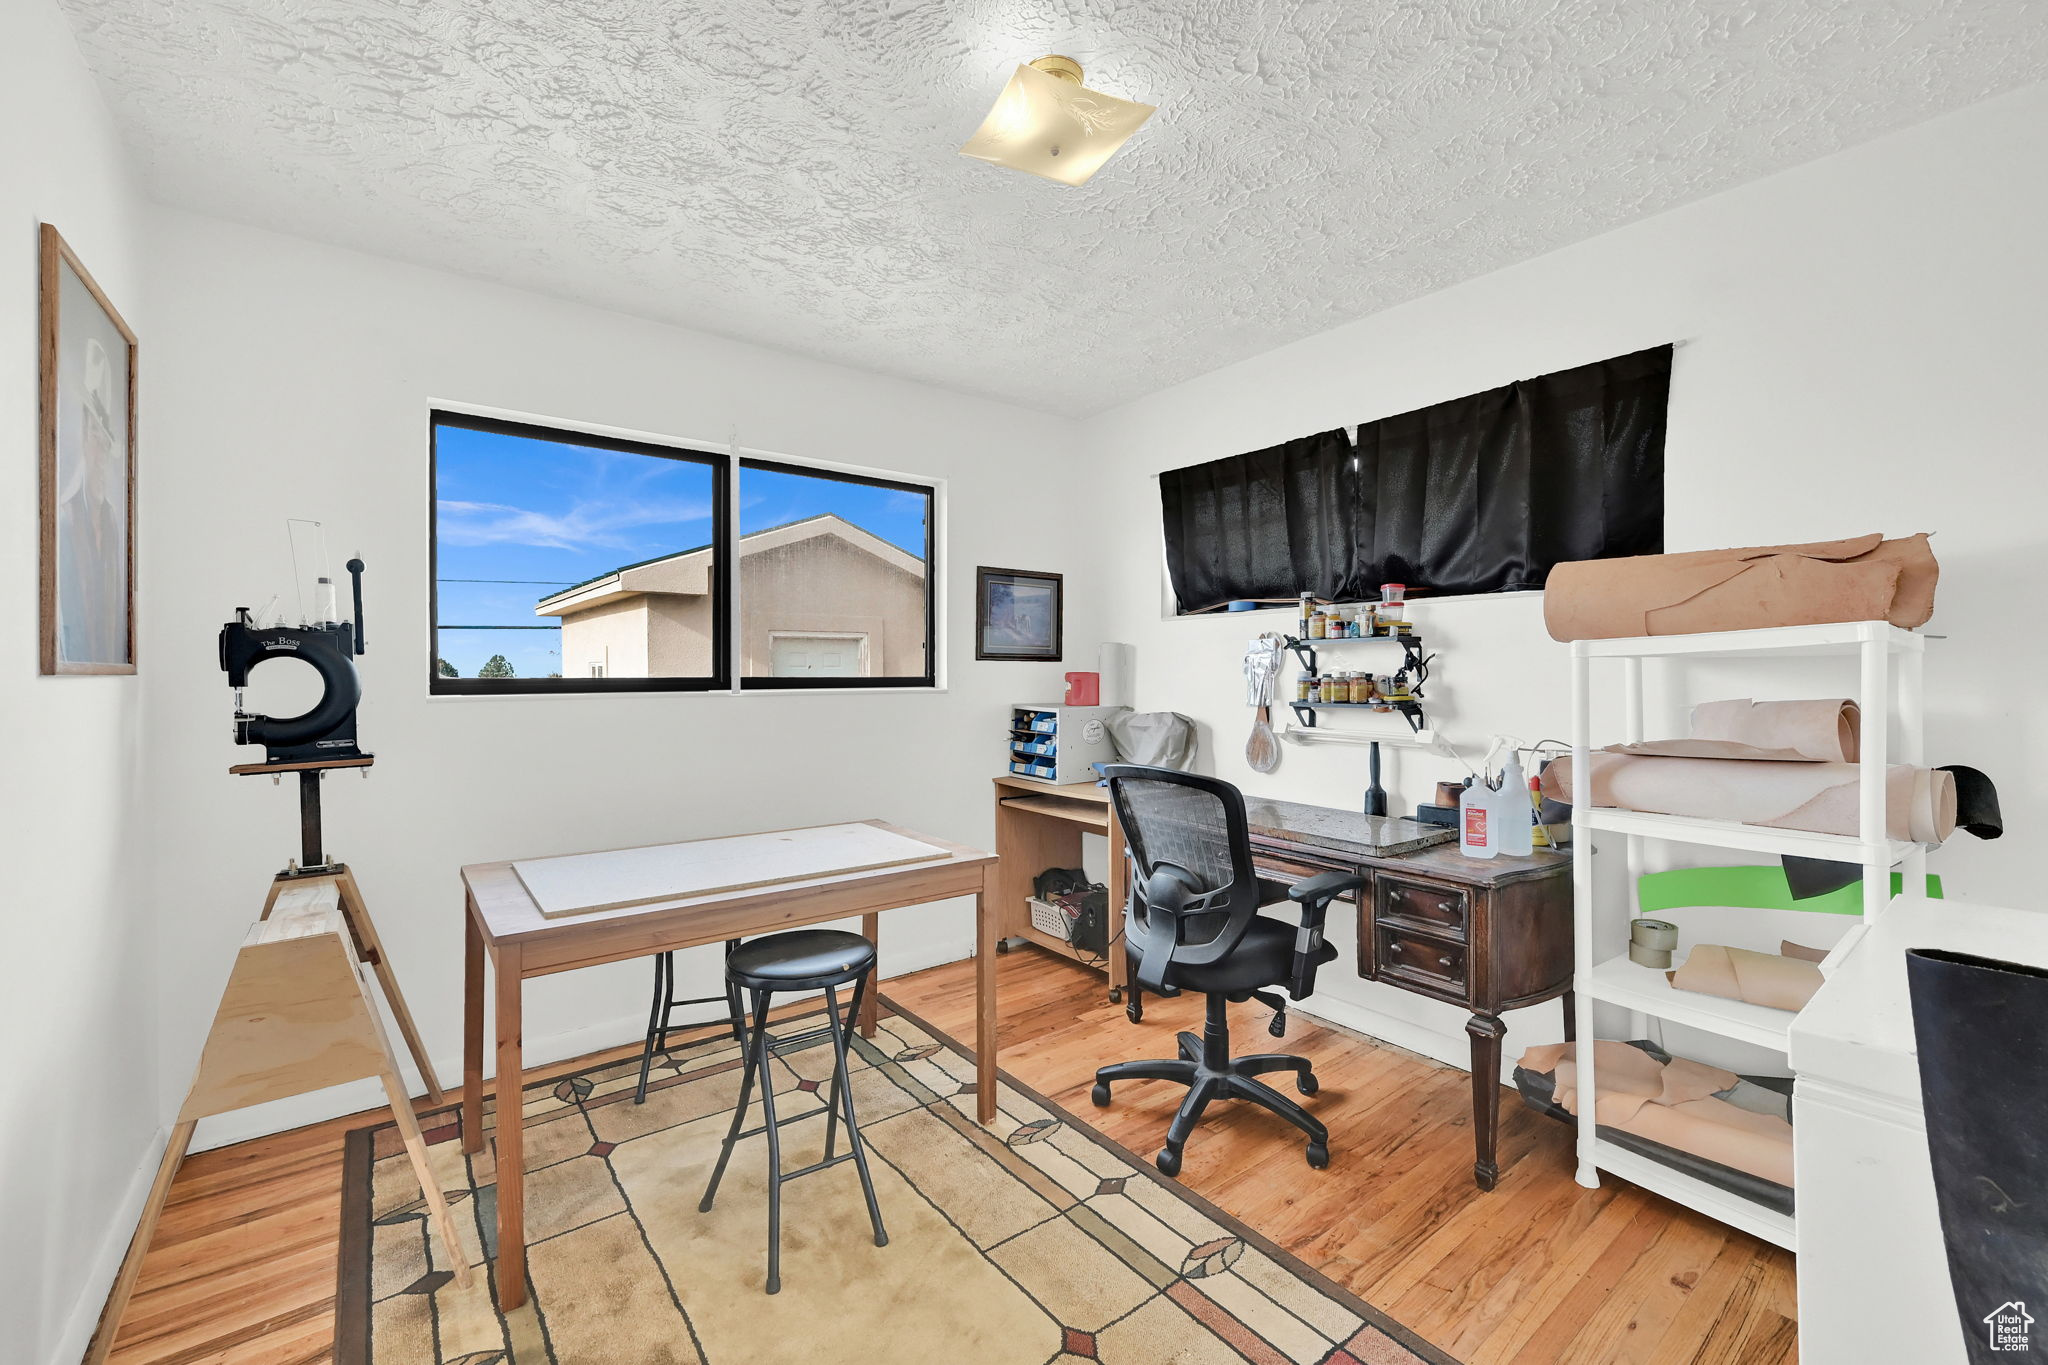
x,y
1210,1073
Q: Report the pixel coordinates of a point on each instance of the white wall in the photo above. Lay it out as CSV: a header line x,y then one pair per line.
x,y
1862,350
79,1110
289,379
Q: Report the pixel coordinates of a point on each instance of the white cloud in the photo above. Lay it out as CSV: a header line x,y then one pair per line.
x,y
586,526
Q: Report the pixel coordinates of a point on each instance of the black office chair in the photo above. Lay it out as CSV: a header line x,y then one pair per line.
x,y
1193,923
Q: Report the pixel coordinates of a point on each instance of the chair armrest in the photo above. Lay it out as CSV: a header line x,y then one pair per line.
x,y
1314,897
1325,887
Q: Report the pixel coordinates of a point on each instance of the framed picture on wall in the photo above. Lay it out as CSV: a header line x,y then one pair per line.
x,y
87,471
1017,615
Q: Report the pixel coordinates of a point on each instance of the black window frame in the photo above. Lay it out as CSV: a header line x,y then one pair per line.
x,y
718,680
930,677
726,469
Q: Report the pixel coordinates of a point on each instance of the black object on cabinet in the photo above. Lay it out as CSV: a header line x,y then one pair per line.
x,y
1981,1028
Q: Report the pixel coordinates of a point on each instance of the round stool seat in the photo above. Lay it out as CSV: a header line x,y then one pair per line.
x,y
801,959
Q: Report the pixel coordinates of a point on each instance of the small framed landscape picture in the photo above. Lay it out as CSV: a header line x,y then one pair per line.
x,y
87,472
1017,615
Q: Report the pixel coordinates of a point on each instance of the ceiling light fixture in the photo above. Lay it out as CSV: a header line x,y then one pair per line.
x,y
1047,123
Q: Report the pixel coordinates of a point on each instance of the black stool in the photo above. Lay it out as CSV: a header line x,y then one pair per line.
x,y
665,1006
800,960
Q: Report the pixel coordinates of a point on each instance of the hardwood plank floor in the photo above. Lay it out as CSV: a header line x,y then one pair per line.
x,y
243,1266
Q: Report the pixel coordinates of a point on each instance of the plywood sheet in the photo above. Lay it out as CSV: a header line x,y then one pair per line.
x,y
583,882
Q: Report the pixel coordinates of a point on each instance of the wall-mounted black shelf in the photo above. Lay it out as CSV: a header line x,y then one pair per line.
x,y
1413,660
1411,647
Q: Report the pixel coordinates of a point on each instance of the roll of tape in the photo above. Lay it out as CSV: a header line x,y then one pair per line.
x,y
1653,933
1660,958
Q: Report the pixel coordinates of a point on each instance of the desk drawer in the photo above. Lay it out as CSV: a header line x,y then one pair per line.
x,y
1435,966
1430,906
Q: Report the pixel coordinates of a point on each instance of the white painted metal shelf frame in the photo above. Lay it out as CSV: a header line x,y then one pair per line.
x,y
1890,691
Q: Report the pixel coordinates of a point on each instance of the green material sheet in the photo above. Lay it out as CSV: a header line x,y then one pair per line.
x,y
1754,888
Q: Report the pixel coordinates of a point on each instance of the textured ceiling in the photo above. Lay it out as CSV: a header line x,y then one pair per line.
x,y
785,171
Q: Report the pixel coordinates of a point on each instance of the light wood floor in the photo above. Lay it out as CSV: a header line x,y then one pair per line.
x,y
242,1270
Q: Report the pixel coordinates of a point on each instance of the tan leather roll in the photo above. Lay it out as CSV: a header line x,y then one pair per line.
x,y
1920,803
1781,983
1862,578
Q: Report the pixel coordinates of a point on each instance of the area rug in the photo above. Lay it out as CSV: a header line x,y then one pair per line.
x,y
1033,1242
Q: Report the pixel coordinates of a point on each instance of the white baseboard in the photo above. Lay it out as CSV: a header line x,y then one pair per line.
x,y
1450,1049
317,1107
106,1262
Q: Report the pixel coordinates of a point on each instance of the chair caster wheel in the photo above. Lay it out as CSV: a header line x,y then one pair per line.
x,y
1168,1161
1100,1094
1116,995
1278,1028
1306,1082
1002,947
1318,1156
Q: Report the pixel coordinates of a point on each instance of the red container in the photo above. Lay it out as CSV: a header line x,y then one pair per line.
x,y
1084,689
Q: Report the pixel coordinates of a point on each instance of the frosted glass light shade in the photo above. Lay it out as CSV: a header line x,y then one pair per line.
x,y
1053,127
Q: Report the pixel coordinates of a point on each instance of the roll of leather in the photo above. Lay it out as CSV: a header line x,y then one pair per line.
x,y
1768,731
1863,578
1920,803
1769,979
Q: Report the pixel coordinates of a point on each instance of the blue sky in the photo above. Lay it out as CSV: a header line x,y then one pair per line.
x,y
517,519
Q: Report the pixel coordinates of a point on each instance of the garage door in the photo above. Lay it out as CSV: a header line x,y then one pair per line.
x,y
817,656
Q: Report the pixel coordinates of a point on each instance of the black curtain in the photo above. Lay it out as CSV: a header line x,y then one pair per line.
x,y
1266,525
1479,494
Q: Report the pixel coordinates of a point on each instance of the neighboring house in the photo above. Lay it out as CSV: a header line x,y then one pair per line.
x,y
818,598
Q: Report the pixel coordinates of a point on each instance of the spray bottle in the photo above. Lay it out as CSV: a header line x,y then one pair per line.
x,y
1479,820
1510,810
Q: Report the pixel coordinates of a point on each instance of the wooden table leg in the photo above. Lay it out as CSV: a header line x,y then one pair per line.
x,y
870,1005
1119,894
1487,1030
472,1030
985,997
102,1344
365,929
510,1135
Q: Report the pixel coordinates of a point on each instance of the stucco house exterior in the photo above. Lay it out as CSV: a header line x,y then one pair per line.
x,y
818,598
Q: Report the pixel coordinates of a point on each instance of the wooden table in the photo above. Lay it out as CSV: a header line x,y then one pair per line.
x,y
1490,934
502,923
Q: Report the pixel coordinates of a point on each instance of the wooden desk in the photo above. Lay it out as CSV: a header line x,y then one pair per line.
x,y
502,922
1487,934
1039,825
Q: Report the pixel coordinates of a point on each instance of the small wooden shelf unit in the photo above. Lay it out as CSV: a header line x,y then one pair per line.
x,y
1039,825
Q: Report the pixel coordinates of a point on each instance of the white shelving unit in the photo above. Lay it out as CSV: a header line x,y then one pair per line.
x,y
1889,691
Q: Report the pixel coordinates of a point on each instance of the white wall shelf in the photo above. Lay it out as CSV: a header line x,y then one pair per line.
x,y
1889,692
1619,981
1732,834
1737,1212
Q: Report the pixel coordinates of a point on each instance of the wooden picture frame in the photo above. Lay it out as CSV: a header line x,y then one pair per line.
x,y
1019,615
87,470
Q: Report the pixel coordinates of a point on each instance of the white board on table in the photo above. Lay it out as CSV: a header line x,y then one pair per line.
x,y
579,883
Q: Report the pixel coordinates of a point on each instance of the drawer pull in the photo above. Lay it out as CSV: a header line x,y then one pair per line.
x,y
1444,962
1394,947
1447,909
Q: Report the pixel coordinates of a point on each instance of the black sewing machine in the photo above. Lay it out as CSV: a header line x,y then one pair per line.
x,y
327,731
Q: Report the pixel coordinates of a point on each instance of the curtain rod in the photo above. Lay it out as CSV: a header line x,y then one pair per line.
x,y
1351,431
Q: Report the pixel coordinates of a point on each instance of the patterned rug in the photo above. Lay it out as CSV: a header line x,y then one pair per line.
x,y
1033,1242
